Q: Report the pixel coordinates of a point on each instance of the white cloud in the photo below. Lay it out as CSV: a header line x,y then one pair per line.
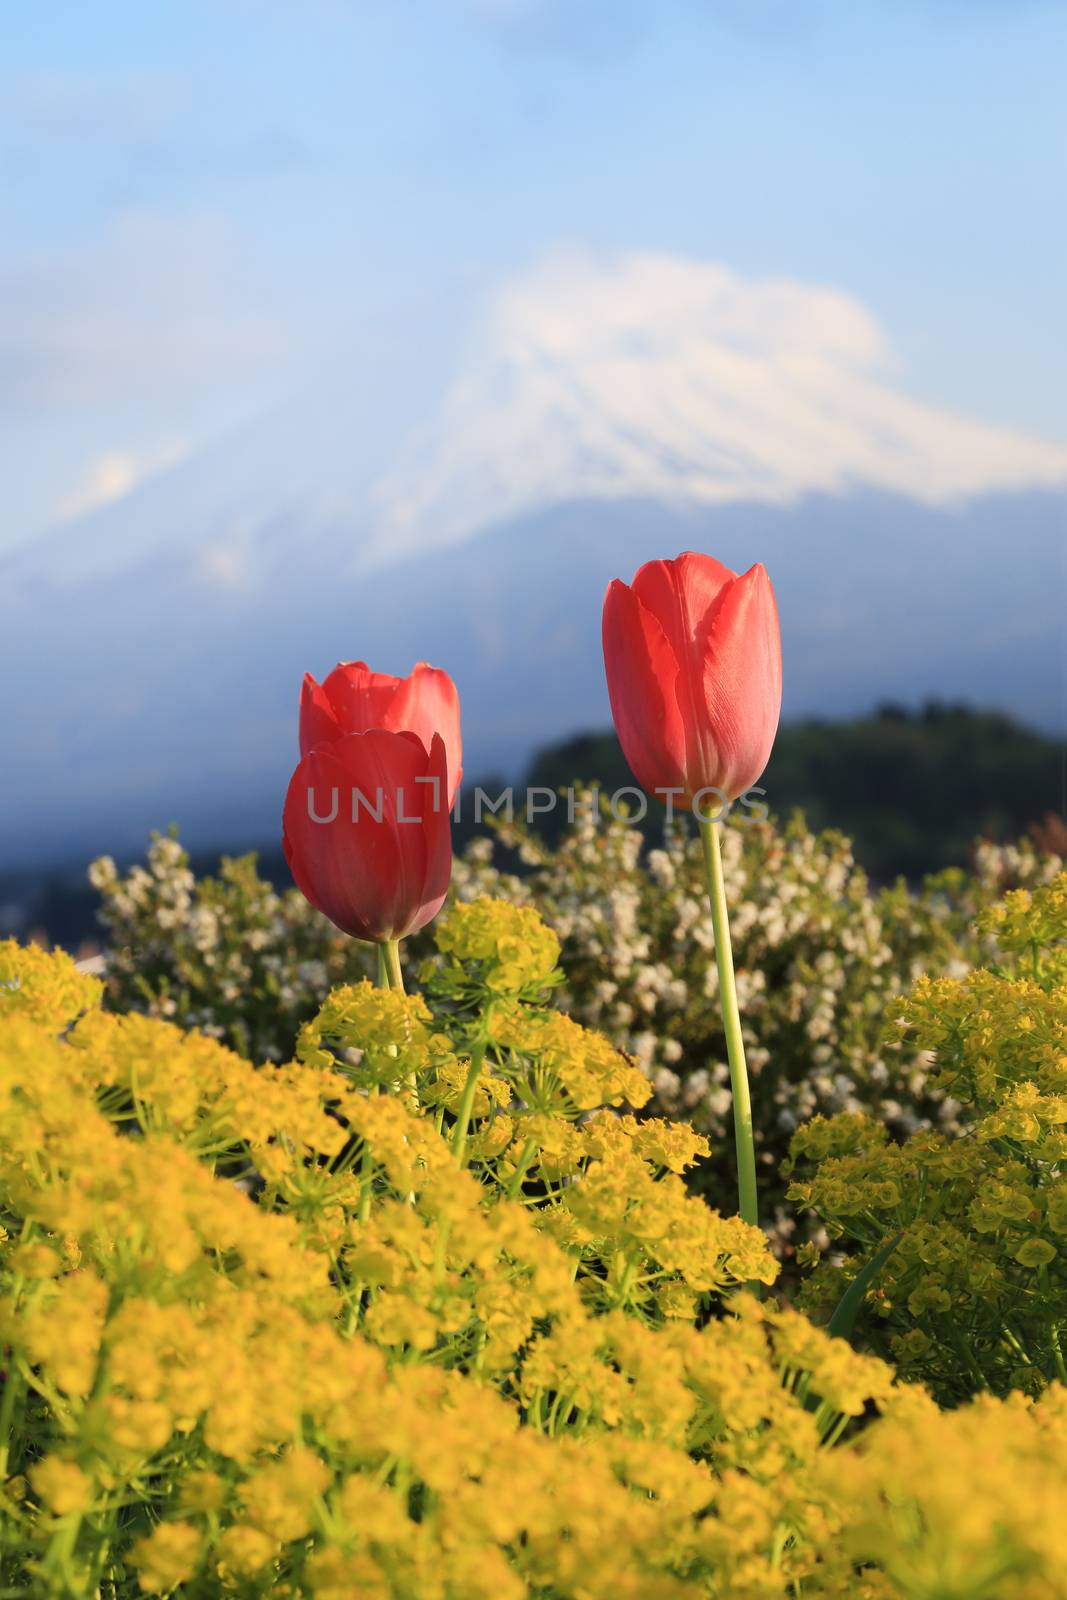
x,y
117,108
648,375
111,476
157,306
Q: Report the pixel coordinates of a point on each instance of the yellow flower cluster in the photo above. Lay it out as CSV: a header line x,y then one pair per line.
x,y
572,1069
512,951
379,1024
974,1293
281,1331
966,1502
45,987
1031,922
196,1089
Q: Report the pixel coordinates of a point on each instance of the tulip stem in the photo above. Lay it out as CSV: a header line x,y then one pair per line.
x,y
466,1103
731,1020
392,962
390,972
391,976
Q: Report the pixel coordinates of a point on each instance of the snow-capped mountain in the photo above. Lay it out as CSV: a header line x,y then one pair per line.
x,y
464,495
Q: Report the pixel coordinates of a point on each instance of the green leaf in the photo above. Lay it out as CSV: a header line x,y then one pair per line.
x,y
843,1320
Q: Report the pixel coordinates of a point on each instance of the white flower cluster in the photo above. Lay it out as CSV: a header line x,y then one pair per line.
x,y
821,959
226,955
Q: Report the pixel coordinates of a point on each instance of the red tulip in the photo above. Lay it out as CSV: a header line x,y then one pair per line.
x,y
353,698
367,831
694,667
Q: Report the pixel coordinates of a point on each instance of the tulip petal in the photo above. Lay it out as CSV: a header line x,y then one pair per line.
x,y
427,703
437,833
741,649
377,876
642,674
360,698
318,724
390,763
680,593
424,703
348,870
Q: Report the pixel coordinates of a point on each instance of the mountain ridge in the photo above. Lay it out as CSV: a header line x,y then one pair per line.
x,y
463,489
586,376
160,696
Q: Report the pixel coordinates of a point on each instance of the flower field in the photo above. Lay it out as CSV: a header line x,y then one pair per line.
x,y
658,1225
823,959
265,1332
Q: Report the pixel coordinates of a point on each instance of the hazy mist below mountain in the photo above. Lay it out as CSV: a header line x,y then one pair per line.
x,y
167,689
462,489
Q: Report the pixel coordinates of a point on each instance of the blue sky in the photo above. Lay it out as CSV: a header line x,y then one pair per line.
x,y
204,202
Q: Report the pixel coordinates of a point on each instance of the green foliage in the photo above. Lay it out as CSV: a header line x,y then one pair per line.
x,y
378,1364
227,955
912,790
426,1312
974,1295
822,960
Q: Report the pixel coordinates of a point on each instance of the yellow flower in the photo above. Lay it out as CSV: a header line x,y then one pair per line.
x,y
280,1498
44,986
168,1556
62,1485
513,948
203,1492
243,1551
1035,1253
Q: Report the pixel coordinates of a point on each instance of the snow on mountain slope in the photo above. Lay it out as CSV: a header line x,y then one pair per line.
x,y
637,376
651,377
464,492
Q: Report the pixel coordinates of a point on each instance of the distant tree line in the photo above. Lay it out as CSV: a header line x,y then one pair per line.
x,y
912,789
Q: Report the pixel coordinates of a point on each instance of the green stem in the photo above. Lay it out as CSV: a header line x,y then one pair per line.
x,y
833,1434
731,1018
12,1386
1057,1353
520,1170
60,1551
392,962
463,1116
366,1182
626,1283
965,1353
390,972
391,976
